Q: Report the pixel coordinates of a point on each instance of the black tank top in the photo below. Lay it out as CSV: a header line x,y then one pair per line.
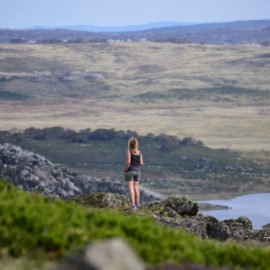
x,y
134,162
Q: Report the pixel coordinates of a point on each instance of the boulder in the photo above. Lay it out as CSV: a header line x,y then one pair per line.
x,y
240,228
216,229
181,205
102,200
262,236
113,254
191,225
152,205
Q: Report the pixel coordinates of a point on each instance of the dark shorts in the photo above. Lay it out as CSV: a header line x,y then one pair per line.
x,y
132,176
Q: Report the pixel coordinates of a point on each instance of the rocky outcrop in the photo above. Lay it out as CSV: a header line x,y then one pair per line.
x,y
196,225
181,205
33,172
240,228
102,200
113,254
262,236
169,213
216,229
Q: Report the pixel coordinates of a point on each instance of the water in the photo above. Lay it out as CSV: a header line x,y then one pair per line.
x,y
253,206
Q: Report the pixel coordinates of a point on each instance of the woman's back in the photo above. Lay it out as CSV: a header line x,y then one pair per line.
x,y
135,161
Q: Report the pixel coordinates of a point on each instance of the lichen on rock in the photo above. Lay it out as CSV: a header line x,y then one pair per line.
x,y
102,200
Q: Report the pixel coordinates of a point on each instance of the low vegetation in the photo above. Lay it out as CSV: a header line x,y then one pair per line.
x,y
172,165
216,93
30,222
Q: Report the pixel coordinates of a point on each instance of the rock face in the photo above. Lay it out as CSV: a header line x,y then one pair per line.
x,y
240,228
182,206
102,200
114,254
217,229
33,172
195,225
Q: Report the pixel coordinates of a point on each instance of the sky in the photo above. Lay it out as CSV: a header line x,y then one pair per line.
x,y
26,13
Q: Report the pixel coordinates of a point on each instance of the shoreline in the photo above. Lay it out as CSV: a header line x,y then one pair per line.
x,y
223,196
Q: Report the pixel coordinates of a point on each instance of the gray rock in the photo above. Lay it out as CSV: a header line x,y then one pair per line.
x,y
240,228
191,225
111,200
217,229
114,254
262,236
102,200
181,205
169,212
152,205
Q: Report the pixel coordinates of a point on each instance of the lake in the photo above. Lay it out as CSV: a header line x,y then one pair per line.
x,y
253,206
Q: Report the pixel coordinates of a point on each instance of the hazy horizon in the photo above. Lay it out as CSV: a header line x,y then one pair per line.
x,y
104,13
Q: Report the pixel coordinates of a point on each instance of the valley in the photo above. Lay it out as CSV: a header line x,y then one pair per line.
x,y
219,94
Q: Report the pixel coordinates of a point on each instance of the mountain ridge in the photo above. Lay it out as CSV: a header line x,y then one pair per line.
x,y
97,28
239,32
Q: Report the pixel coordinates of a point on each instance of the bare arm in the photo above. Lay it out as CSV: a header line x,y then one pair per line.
x,y
141,160
127,161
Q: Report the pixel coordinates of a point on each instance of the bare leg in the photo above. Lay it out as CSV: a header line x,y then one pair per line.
x,y
137,192
131,191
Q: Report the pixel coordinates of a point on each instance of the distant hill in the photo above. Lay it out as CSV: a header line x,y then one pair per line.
x,y
240,32
94,28
235,25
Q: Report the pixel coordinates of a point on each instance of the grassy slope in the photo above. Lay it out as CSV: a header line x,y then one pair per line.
x,y
55,228
219,94
195,170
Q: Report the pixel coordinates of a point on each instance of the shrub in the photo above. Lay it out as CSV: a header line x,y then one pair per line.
x,y
31,221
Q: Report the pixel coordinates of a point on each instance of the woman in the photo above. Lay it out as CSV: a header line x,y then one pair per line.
x,y
132,171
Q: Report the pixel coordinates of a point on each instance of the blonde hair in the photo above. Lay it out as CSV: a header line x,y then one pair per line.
x,y
133,144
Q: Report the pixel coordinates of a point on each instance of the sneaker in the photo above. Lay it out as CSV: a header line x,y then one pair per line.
x,y
133,206
137,205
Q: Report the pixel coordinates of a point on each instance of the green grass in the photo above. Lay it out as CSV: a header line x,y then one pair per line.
x,y
30,222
